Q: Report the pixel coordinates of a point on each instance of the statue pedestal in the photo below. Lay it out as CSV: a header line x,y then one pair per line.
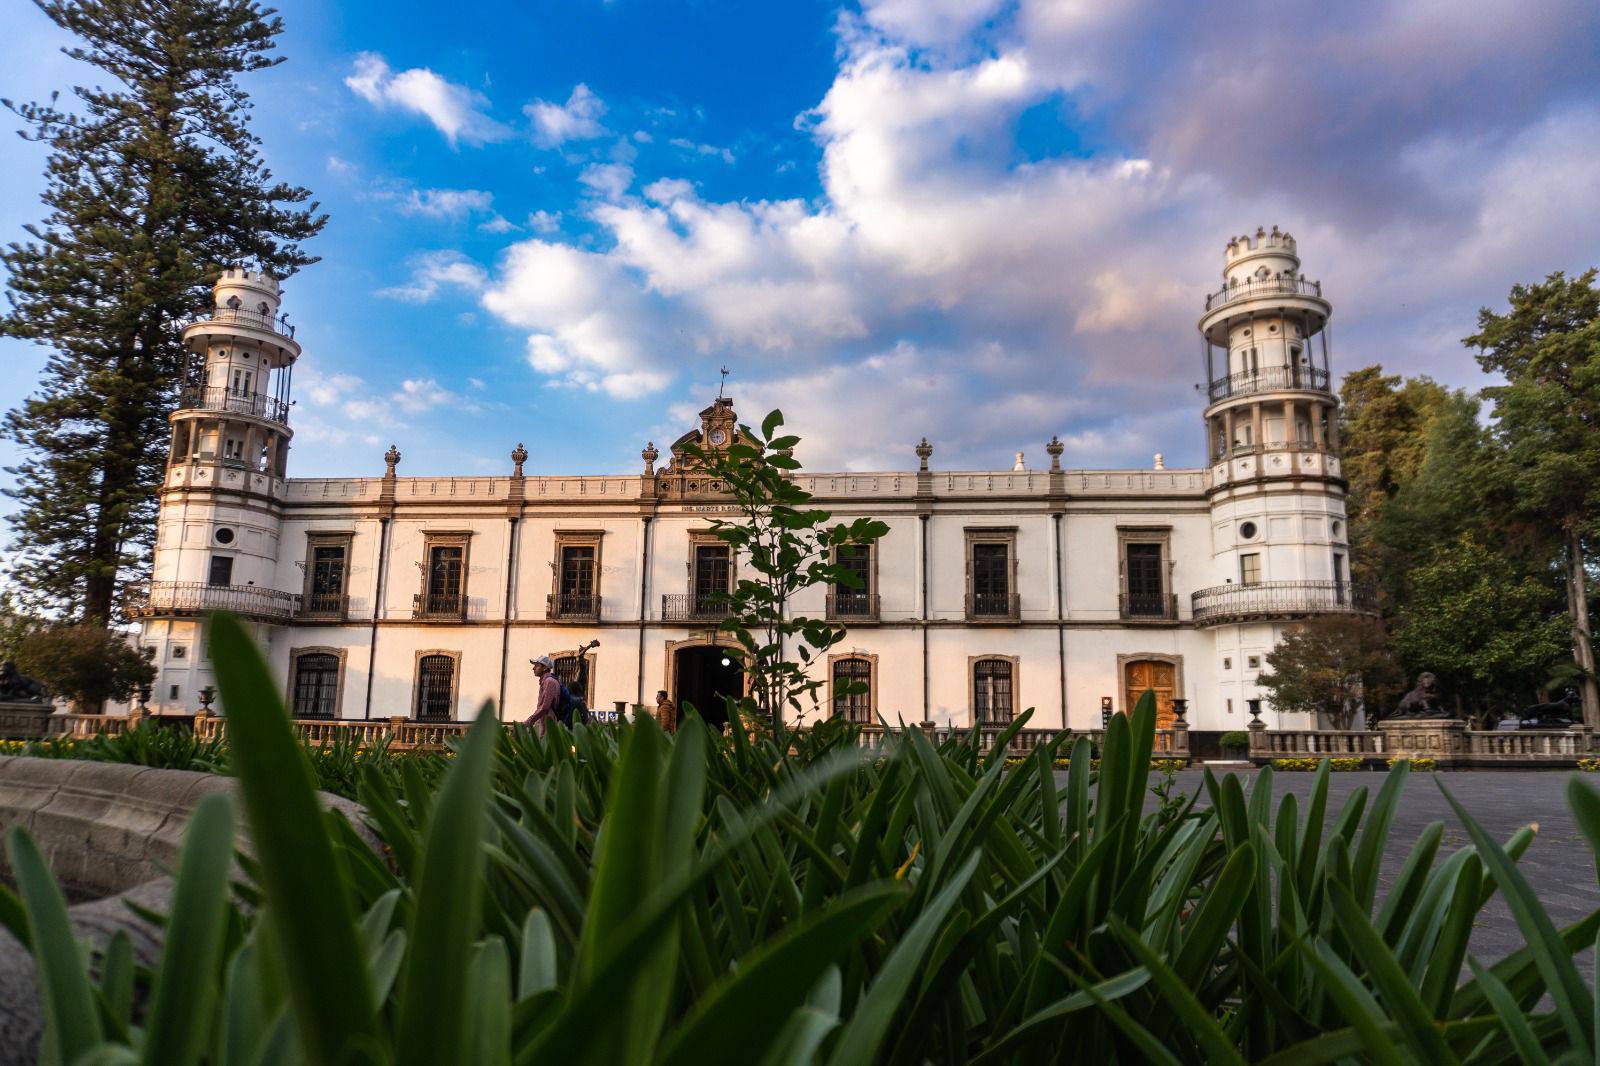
x,y
24,719
1444,739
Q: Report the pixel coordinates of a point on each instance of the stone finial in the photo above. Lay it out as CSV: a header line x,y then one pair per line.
x,y
1019,464
1054,450
519,455
1160,464
650,455
924,453
391,459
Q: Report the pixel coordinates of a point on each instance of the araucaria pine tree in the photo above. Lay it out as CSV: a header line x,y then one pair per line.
x,y
154,183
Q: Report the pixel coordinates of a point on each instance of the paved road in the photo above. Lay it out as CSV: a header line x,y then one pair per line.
x,y
1558,864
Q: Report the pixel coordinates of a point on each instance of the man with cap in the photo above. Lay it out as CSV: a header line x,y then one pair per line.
x,y
544,708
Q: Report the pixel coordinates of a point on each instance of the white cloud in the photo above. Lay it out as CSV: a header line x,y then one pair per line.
x,y
687,145
498,224
542,221
610,180
576,120
417,395
454,204
433,271
456,111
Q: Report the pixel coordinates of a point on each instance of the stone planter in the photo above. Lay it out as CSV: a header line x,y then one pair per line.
x,y
1441,739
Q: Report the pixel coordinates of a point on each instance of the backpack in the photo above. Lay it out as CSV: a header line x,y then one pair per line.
x,y
568,706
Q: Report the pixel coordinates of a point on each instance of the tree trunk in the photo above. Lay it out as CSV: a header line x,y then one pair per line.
x,y
1582,647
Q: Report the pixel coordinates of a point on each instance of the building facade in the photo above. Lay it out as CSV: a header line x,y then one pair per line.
x,y
1060,589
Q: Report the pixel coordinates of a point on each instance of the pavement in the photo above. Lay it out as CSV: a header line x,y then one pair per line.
x,y
1559,864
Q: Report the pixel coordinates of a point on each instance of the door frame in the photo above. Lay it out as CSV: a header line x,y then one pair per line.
x,y
1123,662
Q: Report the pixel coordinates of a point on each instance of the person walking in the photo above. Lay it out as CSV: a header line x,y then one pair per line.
x,y
549,693
666,713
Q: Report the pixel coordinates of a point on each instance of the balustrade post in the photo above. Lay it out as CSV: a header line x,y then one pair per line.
x,y
1180,728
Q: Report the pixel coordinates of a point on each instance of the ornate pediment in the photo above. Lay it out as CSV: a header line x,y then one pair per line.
x,y
684,475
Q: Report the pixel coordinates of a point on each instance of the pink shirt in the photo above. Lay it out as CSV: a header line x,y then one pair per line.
x,y
549,696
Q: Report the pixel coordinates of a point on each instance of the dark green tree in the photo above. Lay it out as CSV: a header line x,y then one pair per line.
x,y
1547,420
154,183
1332,667
85,664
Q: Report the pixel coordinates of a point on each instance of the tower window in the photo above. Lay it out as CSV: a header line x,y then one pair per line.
x,y
1250,569
224,535
221,572
1247,530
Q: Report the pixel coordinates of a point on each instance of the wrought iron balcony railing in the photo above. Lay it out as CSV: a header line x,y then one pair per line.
x,y
573,607
1148,606
325,605
993,606
1269,287
845,606
241,316
439,607
233,401
166,598
1270,379
1271,599
693,607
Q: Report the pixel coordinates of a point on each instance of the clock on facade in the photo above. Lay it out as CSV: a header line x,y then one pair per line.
x,y
718,437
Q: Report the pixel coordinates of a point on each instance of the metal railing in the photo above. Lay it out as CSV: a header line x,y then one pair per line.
x,y
197,597
325,605
993,606
439,607
844,606
258,319
1227,603
233,401
1269,379
1148,606
1268,287
573,606
693,607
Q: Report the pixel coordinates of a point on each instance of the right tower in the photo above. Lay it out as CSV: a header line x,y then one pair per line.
x,y
1279,538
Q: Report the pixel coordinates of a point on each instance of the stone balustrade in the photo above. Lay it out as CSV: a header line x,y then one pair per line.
x,y
1446,741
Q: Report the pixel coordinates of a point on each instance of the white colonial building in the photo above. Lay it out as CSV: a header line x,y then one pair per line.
x,y
1059,589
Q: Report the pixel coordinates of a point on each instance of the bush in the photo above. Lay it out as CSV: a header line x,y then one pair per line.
x,y
1345,765
1421,764
84,664
1307,764
1235,740
1589,765
616,895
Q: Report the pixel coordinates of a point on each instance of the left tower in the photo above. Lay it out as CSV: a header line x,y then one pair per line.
x,y
222,500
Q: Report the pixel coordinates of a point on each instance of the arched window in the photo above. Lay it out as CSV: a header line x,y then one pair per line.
x,y
852,689
991,691
436,676
315,691
235,303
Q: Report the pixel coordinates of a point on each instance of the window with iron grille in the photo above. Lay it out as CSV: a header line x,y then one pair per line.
x,y
857,601
991,579
991,691
569,669
436,676
852,673
711,575
444,578
327,578
576,583
1146,582
316,685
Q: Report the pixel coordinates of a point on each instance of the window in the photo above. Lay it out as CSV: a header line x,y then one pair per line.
x,y
172,692
325,578
221,572
852,689
991,691
232,448
436,678
1247,530
444,577
1252,662
859,601
1146,596
180,651
241,381
712,577
1227,663
315,690
224,535
1250,569
577,579
1338,578
991,574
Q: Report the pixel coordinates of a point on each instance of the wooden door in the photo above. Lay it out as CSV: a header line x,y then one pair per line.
x,y
1142,674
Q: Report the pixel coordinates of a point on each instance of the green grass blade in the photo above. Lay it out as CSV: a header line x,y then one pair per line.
x,y
1356,1004
537,970
1510,1016
1375,834
1206,932
433,1016
489,1005
1585,803
313,920
186,985
116,978
1190,1011
71,1018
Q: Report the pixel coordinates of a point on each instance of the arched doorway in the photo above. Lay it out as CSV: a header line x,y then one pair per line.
x,y
1157,674
702,675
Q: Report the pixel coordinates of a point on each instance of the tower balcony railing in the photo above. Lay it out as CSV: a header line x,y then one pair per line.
x,y
1269,379
573,607
1148,606
1277,599
234,402
694,607
172,598
994,606
241,316
853,606
1267,287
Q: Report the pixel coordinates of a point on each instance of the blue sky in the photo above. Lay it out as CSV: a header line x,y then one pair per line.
x,y
982,221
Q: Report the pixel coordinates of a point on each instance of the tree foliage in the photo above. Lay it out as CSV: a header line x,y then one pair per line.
x,y
85,664
1331,667
154,183
789,546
